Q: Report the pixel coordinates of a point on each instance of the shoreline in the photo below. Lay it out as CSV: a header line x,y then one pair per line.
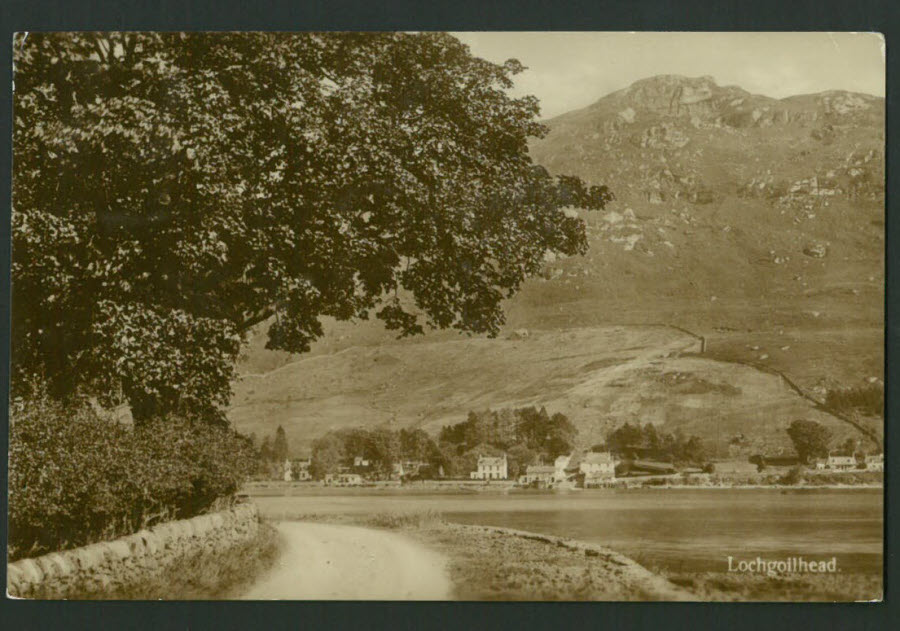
x,y
288,489
486,563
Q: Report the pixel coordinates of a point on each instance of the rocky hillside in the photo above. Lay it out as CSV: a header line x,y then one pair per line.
x,y
755,222
723,195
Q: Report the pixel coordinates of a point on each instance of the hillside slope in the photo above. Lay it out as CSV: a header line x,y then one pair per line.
x,y
755,222
599,377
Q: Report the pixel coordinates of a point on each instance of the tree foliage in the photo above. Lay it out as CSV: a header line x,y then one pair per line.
x,y
531,429
280,445
381,448
646,440
173,190
810,439
77,478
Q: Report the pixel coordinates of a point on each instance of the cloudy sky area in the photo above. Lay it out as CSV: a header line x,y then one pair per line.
x,y
572,70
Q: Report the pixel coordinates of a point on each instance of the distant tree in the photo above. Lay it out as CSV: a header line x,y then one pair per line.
x,y
560,438
518,459
651,437
810,439
623,437
384,450
692,451
174,190
533,427
849,447
280,445
327,455
416,444
265,450
867,399
709,467
793,476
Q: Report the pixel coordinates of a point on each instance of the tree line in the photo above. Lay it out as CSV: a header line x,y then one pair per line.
x,y
526,435
646,441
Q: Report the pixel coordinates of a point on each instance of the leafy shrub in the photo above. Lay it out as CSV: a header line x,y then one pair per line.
x,y
793,476
76,478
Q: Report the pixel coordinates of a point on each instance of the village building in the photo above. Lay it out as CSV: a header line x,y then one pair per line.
x,y
840,463
875,462
538,474
412,467
287,473
490,468
652,467
360,462
343,479
300,469
598,466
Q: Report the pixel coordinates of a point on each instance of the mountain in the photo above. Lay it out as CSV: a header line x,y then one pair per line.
x,y
757,223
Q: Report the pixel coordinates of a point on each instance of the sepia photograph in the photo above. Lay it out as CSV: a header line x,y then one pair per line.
x,y
471,316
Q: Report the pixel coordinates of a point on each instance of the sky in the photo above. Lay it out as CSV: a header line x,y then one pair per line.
x,y
570,70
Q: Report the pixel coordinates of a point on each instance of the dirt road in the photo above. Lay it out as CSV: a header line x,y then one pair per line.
x,y
329,562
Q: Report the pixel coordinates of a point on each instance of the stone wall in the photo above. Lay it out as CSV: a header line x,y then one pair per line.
x,y
115,564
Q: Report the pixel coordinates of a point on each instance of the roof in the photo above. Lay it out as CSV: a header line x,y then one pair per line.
x,y
598,458
540,468
491,460
846,459
650,464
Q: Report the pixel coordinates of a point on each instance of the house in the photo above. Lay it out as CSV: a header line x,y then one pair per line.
x,y
653,467
598,465
412,467
343,479
300,469
875,462
490,468
359,461
286,471
538,474
840,463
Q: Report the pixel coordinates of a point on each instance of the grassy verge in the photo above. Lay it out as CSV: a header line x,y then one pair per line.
x,y
207,575
721,586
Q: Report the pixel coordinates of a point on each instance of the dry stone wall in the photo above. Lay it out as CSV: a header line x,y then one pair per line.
x,y
115,564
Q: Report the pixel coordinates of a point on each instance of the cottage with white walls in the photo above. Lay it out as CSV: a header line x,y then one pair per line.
x,y
490,468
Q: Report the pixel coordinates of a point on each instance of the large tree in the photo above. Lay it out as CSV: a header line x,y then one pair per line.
x,y
173,190
810,439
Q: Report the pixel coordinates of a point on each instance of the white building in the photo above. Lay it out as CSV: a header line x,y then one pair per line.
x,y
840,463
598,465
490,468
875,462
540,474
